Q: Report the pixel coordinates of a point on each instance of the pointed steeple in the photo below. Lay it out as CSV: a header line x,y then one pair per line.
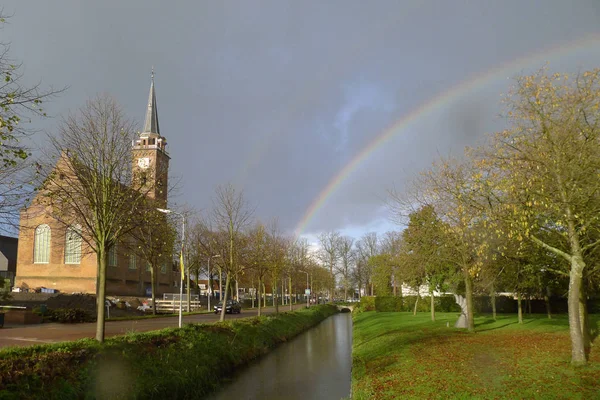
x,y
151,122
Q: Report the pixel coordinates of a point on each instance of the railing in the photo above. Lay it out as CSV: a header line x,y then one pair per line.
x,y
173,305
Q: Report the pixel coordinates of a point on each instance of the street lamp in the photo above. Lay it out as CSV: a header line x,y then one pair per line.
x,y
209,285
307,294
165,211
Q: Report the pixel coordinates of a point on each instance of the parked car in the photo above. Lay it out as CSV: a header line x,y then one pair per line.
x,y
231,307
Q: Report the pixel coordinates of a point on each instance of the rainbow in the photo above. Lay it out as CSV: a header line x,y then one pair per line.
x,y
437,103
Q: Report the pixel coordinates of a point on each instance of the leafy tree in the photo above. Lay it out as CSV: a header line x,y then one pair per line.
x,y
547,165
451,188
424,256
382,273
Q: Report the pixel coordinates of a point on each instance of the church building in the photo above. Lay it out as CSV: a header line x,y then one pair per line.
x,y
53,256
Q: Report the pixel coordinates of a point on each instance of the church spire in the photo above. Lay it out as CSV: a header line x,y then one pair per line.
x,y
151,122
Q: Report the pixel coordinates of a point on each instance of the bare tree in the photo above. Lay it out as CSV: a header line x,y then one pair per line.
x,y
92,183
276,258
330,255
231,214
154,242
347,258
367,247
258,241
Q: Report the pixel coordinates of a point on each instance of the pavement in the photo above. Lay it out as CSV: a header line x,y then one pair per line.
x,y
29,335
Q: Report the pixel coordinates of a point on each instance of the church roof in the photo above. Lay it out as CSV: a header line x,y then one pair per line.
x,y
151,122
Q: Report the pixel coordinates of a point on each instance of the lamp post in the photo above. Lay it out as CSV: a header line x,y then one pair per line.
x,y
209,285
165,211
307,288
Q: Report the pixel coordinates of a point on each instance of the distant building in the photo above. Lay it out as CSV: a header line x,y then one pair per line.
x,y
53,256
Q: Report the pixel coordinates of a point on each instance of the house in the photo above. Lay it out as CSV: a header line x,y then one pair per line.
x,y
54,256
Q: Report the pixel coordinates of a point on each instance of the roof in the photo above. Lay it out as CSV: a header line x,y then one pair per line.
x,y
151,122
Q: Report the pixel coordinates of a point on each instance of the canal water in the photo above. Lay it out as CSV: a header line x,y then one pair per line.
x,y
314,365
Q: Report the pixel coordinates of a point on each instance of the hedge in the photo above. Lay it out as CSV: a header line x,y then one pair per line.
x,y
481,304
171,363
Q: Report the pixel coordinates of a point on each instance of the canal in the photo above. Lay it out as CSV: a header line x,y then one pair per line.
x,y
314,365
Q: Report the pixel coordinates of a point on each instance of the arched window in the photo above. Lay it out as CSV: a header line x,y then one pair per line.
x,y
73,245
41,244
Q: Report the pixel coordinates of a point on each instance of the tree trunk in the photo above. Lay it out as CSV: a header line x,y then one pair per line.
x,y
188,291
416,303
394,283
198,281
258,294
547,301
237,288
152,289
290,289
220,284
584,320
493,301
223,309
469,298
520,308
577,341
432,305
253,293
101,294
283,298
275,302
372,286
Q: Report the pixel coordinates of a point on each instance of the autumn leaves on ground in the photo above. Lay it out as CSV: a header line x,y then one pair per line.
x,y
398,355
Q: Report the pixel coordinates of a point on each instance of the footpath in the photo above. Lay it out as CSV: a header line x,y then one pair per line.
x,y
28,335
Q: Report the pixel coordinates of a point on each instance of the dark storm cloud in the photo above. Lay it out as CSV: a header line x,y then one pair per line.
x,y
277,96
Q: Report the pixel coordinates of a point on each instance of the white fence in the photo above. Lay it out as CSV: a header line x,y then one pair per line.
x,y
170,303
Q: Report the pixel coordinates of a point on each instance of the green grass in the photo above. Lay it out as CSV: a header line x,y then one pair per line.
x,y
398,355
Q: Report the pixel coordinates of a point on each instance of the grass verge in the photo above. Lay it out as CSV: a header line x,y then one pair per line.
x,y
171,363
398,355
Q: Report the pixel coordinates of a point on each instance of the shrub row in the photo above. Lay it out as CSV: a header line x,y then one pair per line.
x,y
481,304
70,315
171,363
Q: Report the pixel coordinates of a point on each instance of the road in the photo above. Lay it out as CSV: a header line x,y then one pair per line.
x,y
28,335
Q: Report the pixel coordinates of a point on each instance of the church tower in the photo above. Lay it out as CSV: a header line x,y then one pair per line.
x,y
150,158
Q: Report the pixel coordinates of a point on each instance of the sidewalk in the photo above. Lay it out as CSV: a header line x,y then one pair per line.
x,y
28,335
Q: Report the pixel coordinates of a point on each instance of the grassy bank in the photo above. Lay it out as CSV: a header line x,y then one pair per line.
x,y
398,355
170,363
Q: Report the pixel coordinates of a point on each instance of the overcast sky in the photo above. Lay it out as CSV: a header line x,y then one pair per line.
x,y
277,97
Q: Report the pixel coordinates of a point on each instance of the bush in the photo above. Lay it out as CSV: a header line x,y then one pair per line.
x,y
70,315
366,303
388,304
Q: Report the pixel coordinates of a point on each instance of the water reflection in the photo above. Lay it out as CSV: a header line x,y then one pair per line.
x,y
315,365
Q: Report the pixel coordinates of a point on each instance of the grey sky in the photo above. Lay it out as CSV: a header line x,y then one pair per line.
x,y
277,96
